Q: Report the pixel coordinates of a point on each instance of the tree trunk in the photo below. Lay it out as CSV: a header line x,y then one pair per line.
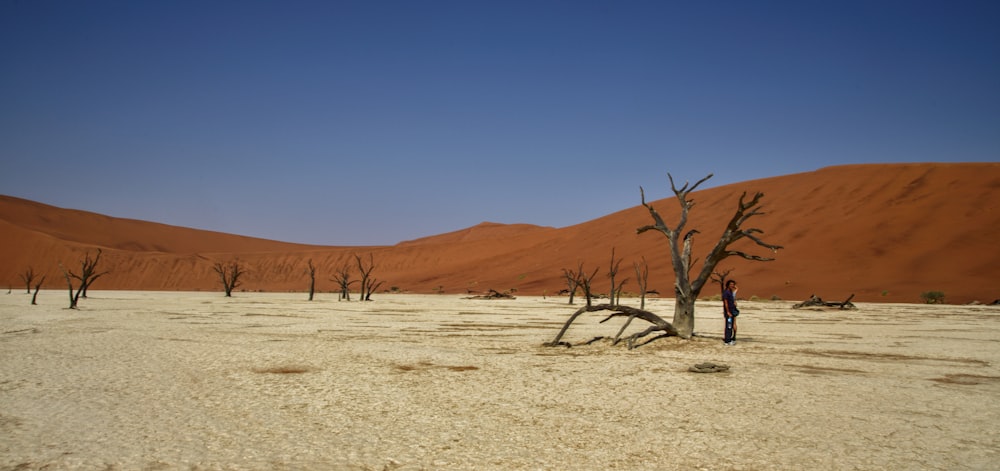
x,y
684,316
69,282
312,279
38,286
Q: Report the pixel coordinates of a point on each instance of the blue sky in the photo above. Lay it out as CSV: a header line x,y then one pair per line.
x,y
371,122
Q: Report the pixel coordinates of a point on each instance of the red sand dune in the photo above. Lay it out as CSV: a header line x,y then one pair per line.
x,y
886,233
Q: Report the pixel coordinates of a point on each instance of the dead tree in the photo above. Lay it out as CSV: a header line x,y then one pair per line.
x,y
572,281
585,282
373,284
686,288
229,274
312,279
721,277
69,282
38,286
365,272
343,278
616,289
642,278
28,276
88,275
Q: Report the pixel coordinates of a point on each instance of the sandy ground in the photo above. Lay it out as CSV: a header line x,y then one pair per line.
x,y
142,380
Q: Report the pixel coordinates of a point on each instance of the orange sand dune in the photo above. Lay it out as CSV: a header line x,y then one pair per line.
x,y
882,232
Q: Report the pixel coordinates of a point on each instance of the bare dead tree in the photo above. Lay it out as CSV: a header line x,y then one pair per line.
x,y
686,288
616,289
229,274
88,275
27,277
642,278
618,292
69,282
680,243
343,278
720,277
365,272
38,286
373,285
312,279
572,281
586,281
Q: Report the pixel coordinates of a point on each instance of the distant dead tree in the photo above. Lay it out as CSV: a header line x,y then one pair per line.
x,y
366,279
27,277
680,243
229,273
586,282
88,275
312,279
38,286
572,278
721,277
642,278
686,289
373,284
343,278
616,289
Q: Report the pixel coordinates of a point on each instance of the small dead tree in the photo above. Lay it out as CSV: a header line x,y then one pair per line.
x,y
373,284
572,281
366,279
28,276
343,278
38,286
312,279
229,274
721,277
616,289
88,275
642,278
586,281
686,288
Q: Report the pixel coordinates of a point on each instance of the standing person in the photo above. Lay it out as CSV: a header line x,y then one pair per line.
x,y
730,312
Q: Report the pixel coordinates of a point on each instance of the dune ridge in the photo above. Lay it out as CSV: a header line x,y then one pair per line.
x,y
883,232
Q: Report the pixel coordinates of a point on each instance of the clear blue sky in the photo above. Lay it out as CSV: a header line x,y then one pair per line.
x,y
371,122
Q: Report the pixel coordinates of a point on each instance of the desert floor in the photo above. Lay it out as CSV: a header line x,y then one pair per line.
x,y
143,380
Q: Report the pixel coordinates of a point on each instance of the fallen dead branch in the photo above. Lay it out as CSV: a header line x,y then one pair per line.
x,y
493,294
658,325
816,301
